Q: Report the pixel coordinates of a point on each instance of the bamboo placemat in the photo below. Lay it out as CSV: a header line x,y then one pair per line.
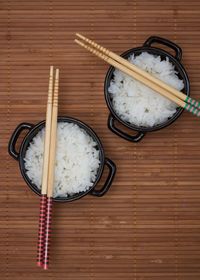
x,y
147,226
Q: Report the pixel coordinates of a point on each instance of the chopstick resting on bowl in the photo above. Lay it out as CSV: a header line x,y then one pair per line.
x,y
51,170
43,199
48,171
125,66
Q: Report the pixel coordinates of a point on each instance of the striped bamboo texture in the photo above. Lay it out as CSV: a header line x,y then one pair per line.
x,y
147,227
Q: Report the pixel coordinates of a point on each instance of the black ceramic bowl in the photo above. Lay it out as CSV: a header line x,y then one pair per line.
x,y
33,130
175,60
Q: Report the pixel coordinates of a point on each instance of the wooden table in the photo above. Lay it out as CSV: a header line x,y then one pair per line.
x,y
147,226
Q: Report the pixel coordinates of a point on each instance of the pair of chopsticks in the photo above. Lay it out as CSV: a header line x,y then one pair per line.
x,y
48,170
142,76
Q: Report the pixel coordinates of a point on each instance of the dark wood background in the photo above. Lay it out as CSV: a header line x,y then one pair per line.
x,y
147,226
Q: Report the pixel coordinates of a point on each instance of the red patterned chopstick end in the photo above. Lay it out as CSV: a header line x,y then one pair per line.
x,y
41,231
47,233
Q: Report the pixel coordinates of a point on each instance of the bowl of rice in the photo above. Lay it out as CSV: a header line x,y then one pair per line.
x,y
135,105
80,159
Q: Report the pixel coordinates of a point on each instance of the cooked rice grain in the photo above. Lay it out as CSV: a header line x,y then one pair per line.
x,y
77,160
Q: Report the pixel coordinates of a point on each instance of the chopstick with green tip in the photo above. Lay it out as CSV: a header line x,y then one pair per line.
x,y
122,64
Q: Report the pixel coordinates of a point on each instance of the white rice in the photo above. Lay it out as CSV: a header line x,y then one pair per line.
x,y
77,160
136,103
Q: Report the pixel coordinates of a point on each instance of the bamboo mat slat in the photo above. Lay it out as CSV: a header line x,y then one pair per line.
x,y
147,226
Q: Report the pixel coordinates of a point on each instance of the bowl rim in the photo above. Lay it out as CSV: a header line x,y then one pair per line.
x,y
156,51
29,136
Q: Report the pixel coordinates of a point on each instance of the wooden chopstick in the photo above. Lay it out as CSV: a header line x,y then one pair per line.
x,y
136,69
47,133
43,199
53,136
51,170
130,69
130,72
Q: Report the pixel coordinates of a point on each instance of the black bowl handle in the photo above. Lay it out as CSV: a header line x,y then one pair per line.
x,y
13,140
124,135
165,42
112,169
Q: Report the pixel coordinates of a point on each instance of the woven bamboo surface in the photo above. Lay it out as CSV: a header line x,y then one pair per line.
x,y
147,226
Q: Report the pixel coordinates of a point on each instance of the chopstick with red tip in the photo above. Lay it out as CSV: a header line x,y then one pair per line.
x,y
51,171
43,199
